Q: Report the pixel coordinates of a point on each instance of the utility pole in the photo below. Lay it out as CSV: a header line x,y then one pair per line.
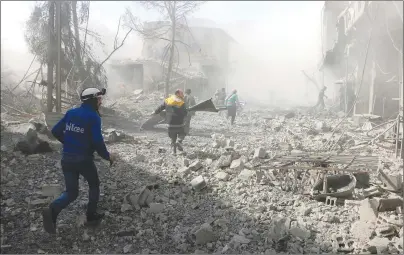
x,y
58,47
51,48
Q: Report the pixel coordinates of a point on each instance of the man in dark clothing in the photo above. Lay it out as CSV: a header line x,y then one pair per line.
x,y
175,115
80,133
320,101
189,102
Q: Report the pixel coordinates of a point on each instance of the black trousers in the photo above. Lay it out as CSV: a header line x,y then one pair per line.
x,y
232,112
72,171
176,133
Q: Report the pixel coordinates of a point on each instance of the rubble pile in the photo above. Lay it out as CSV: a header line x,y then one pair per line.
x,y
214,198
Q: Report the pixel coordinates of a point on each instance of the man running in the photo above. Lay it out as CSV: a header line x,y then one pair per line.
x,y
80,133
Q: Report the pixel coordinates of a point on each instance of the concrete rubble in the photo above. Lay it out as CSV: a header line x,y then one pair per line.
x,y
216,198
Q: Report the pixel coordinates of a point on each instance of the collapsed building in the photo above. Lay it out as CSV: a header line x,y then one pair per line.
x,y
362,47
201,60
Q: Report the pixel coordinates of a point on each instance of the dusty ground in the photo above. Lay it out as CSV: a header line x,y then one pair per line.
x,y
235,213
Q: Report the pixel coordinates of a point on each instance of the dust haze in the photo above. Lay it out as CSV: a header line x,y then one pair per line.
x,y
266,59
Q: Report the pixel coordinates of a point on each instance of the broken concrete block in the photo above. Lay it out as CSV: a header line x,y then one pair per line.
x,y
390,182
389,204
204,235
127,248
305,211
198,183
372,192
320,125
195,166
184,170
362,179
300,232
126,207
51,190
215,145
379,244
259,153
222,176
239,239
237,164
224,161
246,175
331,201
145,197
184,161
140,158
229,143
155,208
386,230
296,152
368,210
112,137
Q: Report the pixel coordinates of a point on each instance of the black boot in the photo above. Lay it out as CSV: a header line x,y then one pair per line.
x,y
94,218
49,220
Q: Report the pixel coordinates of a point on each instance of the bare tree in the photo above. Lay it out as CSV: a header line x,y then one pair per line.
x,y
175,14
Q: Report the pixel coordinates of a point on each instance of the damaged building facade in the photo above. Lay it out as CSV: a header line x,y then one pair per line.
x,y
362,48
201,60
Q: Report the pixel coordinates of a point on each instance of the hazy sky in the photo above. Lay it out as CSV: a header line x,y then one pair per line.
x,y
282,33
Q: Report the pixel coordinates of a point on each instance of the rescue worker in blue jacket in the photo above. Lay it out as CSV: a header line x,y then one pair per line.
x,y
80,133
176,112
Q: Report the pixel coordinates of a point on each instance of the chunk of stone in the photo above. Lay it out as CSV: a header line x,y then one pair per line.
x,y
29,130
389,204
38,202
371,192
300,232
51,190
127,248
237,164
379,244
184,161
391,182
222,176
239,239
126,207
320,126
224,161
259,153
305,211
229,143
195,166
184,170
246,175
140,158
156,208
198,183
204,235
112,137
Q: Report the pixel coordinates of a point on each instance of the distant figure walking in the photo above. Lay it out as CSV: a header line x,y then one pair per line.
x,y
189,102
320,101
231,104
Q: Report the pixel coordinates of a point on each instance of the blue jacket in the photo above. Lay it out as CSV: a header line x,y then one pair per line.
x,y
80,133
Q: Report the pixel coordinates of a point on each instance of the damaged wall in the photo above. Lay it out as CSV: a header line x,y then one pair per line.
x,y
381,76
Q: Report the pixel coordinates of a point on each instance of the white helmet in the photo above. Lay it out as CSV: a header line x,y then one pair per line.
x,y
92,93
